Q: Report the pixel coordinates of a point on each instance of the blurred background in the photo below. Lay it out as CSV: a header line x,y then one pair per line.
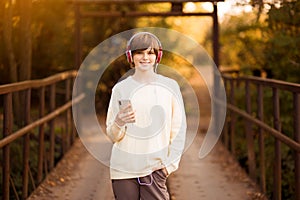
x,y
257,37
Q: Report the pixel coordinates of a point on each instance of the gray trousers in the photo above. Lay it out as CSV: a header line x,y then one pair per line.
x,y
151,187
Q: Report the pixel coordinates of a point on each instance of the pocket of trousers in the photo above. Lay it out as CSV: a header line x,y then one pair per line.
x,y
161,174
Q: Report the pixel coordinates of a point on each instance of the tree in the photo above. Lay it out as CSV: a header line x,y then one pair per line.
x,y
8,39
283,47
270,45
243,43
25,40
24,47
17,61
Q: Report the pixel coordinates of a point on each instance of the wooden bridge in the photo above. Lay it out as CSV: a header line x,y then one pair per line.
x,y
63,169
43,158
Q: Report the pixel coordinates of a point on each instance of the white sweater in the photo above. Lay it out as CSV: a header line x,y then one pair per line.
x,y
157,137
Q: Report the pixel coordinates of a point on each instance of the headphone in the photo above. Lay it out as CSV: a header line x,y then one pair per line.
x,y
128,48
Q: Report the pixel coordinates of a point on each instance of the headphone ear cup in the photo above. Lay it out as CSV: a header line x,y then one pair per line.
x,y
159,56
129,56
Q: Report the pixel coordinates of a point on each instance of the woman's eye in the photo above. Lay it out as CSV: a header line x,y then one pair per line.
x,y
151,52
139,53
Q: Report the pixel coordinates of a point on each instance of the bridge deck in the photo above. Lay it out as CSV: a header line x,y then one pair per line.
x,y
80,176
218,176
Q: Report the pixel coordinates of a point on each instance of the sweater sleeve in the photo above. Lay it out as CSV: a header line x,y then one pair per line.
x,y
178,132
114,131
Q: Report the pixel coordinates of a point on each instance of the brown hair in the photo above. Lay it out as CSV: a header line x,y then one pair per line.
x,y
142,41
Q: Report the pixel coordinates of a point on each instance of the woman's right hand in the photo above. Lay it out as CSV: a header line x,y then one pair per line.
x,y
125,115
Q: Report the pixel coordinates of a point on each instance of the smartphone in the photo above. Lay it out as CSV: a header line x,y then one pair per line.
x,y
124,103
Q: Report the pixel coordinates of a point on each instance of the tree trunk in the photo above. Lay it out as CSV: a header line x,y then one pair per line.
x,y
25,40
7,33
9,49
25,50
23,71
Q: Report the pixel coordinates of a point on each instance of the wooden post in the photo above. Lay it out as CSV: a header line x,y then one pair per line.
x,y
277,162
73,129
260,113
216,34
296,103
41,136
216,76
52,128
67,117
232,117
7,130
249,135
26,145
225,129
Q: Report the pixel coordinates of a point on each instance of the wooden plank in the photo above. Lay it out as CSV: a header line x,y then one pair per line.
x,y
142,14
282,85
5,141
24,85
85,2
283,138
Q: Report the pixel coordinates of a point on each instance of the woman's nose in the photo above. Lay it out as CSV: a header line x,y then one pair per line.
x,y
145,55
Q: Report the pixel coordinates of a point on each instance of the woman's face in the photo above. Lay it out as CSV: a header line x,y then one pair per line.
x,y
144,60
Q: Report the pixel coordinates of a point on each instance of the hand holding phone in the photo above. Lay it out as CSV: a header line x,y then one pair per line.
x,y
123,103
126,113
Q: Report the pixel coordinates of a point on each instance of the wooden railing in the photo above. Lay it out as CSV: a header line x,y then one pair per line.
x,y
45,139
251,118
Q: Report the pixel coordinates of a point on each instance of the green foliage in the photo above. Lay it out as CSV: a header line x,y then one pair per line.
x,y
283,47
53,26
243,42
270,45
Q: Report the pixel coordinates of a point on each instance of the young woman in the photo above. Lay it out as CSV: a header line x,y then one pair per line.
x,y
146,122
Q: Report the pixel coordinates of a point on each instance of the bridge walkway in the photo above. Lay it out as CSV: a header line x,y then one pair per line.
x,y
79,176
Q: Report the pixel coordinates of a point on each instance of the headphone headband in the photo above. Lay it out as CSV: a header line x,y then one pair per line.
x,y
129,52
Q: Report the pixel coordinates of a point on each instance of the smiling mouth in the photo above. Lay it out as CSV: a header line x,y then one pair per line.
x,y
145,63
